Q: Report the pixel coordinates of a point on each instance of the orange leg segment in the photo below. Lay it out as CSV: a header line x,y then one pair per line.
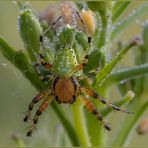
x,y
103,100
41,108
38,98
90,107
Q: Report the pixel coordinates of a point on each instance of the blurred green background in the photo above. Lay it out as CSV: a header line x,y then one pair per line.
x,y
16,92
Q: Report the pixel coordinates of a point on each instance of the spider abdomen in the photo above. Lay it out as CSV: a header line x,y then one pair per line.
x,y
65,90
65,62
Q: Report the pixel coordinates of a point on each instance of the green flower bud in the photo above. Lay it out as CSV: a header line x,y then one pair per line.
x,y
82,39
30,31
96,59
100,6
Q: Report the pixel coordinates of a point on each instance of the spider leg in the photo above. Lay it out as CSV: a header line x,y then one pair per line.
x,y
42,77
90,107
41,51
95,95
38,98
89,38
83,64
41,108
42,60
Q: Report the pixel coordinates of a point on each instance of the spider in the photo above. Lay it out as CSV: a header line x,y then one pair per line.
x,y
66,72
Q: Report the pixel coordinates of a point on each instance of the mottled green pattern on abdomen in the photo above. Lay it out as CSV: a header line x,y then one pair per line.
x,y
65,62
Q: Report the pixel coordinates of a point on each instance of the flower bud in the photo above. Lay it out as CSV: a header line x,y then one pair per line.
x,y
30,31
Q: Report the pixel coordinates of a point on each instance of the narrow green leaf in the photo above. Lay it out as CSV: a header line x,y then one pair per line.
x,y
125,74
105,71
126,99
118,9
128,20
123,136
145,36
140,57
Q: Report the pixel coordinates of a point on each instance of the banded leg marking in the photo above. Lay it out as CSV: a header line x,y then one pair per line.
x,y
41,76
83,64
90,107
103,100
42,57
41,109
38,98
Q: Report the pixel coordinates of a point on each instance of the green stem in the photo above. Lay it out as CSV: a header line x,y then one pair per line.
x,y
20,61
96,133
106,24
80,124
123,135
125,74
66,124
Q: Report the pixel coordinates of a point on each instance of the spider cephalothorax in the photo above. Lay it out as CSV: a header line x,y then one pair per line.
x,y
66,71
65,89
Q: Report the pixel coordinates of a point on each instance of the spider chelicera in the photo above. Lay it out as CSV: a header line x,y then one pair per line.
x,y
65,73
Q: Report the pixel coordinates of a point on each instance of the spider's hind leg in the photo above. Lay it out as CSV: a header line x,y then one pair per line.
x,y
37,98
41,108
95,95
90,107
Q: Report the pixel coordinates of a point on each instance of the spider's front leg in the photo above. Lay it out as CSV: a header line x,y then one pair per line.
x,y
42,65
41,108
90,107
93,94
42,57
42,60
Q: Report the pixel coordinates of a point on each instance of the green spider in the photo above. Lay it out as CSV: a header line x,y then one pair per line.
x,y
66,72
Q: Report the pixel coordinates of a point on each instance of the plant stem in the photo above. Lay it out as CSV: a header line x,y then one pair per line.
x,y
123,135
97,135
80,124
66,124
